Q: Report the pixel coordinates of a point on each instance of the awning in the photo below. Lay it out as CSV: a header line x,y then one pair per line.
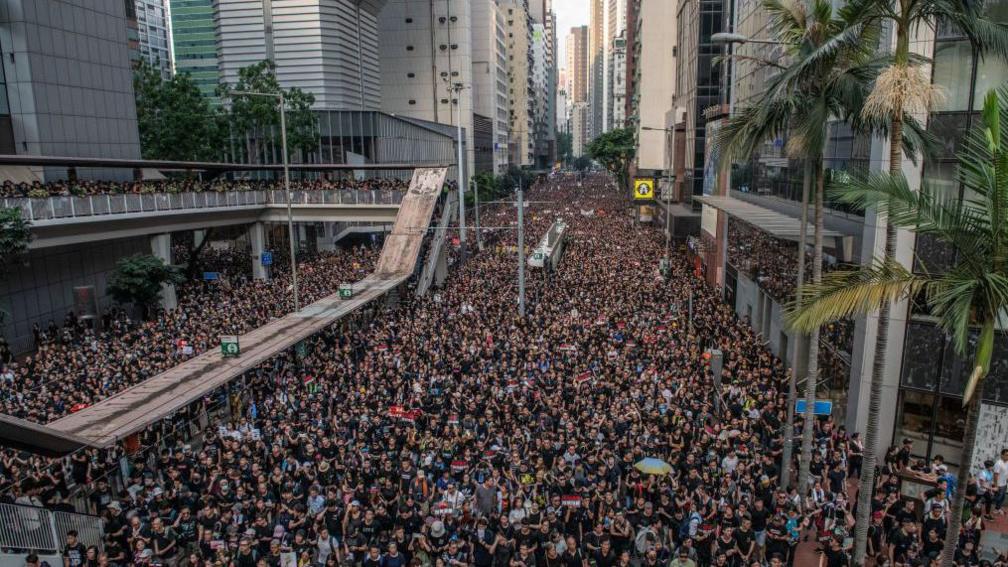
x,y
772,222
151,174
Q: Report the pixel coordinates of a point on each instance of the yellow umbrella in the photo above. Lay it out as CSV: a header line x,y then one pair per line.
x,y
651,465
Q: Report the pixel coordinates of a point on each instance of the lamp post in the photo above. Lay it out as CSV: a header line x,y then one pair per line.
x,y
521,251
290,215
456,89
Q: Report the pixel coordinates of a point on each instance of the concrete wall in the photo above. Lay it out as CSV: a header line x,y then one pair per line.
x,y
766,316
69,79
656,89
43,289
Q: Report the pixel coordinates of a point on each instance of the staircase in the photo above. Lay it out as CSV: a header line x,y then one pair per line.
x,y
437,244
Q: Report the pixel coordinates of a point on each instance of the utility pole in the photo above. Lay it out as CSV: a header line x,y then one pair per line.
x,y
479,239
457,90
290,216
521,251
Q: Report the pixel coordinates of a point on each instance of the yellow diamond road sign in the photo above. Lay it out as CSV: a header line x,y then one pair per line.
x,y
643,188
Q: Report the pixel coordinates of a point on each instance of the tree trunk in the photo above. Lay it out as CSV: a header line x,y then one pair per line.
x,y
866,484
955,518
812,378
787,457
192,268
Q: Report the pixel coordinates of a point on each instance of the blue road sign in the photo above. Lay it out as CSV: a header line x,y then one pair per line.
x,y
210,276
821,407
267,258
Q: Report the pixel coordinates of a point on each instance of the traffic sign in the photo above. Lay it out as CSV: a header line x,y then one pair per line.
x,y
266,258
345,291
643,188
821,407
538,256
229,345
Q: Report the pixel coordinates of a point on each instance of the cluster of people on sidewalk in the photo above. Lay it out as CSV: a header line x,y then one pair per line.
x,y
452,432
81,188
77,364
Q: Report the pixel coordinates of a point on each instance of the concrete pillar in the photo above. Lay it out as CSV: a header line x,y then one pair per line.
x,y
161,248
324,240
441,269
198,236
302,235
257,237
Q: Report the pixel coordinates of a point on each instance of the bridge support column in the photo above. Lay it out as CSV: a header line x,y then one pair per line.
x,y
257,237
302,235
198,236
324,241
161,248
441,268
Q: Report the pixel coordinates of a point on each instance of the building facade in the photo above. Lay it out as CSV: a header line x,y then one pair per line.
x,y
596,66
194,43
655,94
518,24
577,64
490,79
68,87
328,48
618,83
700,81
426,56
580,128
153,37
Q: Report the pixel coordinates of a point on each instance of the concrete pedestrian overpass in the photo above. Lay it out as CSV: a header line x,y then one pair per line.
x,y
112,419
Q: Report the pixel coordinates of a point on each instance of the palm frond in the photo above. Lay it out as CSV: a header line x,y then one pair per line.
x,y
847,293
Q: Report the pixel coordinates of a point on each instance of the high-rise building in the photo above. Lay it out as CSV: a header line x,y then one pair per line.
x,y
699,80
577,64
59,100
152,35
596,66
194,42
655,87
490,79
579,124
518,24
617,83
426,54
328,48
615,26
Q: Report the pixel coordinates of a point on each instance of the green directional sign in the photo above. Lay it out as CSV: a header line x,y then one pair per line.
x,y
229,345
538,256
345,291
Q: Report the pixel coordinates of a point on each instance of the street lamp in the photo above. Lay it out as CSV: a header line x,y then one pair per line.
x,y
456,89
290,216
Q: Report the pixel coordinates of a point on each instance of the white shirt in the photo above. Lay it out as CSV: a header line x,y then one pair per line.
x,y
1001,470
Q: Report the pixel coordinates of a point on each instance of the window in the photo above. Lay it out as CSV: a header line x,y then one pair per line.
x,y
409,48
410,75
409,20
412,101
952,73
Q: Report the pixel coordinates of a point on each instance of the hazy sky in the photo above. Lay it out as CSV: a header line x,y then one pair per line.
x,y
569,13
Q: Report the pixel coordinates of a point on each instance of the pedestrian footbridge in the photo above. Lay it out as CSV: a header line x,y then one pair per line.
x,y
133,409
56,221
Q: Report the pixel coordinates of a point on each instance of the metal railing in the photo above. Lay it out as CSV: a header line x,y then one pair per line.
x,y
437,244
28,528
64,207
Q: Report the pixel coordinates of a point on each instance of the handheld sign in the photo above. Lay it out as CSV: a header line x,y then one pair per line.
x,y
821,407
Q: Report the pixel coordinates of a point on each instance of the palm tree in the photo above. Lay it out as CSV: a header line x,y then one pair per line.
x,y
903,87
971,294
828,54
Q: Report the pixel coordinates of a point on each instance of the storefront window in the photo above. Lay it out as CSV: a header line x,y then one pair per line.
x,y
916,414
952,75
950,429
922,355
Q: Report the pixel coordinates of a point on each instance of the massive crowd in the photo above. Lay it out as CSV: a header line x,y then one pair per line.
x,y
449,432
76,365
770,261
63,188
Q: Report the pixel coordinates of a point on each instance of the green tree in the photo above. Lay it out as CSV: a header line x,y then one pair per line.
x,y
256,119
565,147
15,236
175,120
137,279
903,87
615,150
487,187
968,298
582,163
